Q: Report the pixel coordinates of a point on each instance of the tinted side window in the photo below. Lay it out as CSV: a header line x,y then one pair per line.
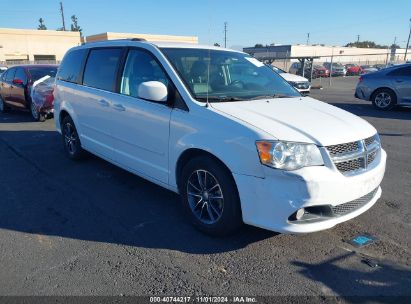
x,y
405,71
10,75
101,68
70,68
140,67
40,72
21,74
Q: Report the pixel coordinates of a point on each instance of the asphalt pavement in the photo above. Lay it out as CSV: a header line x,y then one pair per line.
x,y
90,228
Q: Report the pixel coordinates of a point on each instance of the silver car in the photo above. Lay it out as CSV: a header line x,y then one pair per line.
x,y
386,88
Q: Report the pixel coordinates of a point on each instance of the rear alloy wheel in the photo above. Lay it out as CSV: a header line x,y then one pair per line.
x,y
71,141
384,99
210,196
37,116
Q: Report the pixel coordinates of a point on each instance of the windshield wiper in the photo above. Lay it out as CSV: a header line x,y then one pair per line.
x,y
272,96
220,99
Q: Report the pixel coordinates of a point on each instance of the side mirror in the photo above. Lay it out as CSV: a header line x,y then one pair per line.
x,y
153,90
17,81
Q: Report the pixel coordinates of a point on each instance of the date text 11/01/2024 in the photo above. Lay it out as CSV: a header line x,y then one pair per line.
x,y
203,299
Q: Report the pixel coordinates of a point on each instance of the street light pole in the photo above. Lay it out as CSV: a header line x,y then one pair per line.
x,y
408,43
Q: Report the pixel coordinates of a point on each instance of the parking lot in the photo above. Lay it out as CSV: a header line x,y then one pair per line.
x,y
90,228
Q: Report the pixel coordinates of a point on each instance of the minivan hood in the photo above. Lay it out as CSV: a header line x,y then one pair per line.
x,y
299,119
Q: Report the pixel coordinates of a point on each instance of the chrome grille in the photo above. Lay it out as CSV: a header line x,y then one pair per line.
x,y
371,157
351,165
345,208
354,157
370,140
343,148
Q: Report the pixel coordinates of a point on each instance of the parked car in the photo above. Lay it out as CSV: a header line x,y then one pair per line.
x,y
386,88
353,69
380,66
297,69
294,67
300,83
42,98
320,71
365,69
337,68
16,86
231,136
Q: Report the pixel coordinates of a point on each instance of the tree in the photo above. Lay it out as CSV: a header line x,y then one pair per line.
x,y
42,26
366,44
394,46
216,44
258,45
74,25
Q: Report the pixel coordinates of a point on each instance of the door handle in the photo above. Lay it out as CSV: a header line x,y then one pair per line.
x,y
119,107
104,103
399,81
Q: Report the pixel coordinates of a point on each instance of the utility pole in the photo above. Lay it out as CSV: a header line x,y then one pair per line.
x,y
308,38
408,43
358,38
225,34
62,15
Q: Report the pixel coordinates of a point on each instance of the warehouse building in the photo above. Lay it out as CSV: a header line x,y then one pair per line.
x,y
18,46
148,37
283,55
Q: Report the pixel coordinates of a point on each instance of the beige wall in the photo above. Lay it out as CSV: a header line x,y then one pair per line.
x,y
349,54
148,37
18,44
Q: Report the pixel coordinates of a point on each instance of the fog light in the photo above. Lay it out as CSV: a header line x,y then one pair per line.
x,y
300,213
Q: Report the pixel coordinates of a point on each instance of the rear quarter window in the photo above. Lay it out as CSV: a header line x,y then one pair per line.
x,y
101,68
70,68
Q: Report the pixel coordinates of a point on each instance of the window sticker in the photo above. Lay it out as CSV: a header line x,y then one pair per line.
x,y
255,62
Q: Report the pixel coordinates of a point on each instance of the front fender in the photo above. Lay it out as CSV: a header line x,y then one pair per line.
x,y
230,141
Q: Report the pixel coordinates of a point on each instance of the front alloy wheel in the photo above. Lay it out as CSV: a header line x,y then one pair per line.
x,y
205,196
3,107
210,196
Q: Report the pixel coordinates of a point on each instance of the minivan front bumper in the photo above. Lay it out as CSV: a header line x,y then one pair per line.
x,y
271,202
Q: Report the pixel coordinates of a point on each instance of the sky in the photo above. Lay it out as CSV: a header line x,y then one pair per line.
x,y
248,22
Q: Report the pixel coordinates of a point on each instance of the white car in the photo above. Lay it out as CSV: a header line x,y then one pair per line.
x,y
300,83
227,133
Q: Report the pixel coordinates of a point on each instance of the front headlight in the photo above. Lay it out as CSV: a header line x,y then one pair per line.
x,y
288,155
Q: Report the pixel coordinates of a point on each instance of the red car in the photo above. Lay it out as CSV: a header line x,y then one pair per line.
x,y
320,71
16,87
353,69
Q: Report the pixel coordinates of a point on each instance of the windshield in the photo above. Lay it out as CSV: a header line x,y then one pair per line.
x,y
226,76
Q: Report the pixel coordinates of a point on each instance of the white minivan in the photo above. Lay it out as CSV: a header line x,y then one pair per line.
x,y
231,136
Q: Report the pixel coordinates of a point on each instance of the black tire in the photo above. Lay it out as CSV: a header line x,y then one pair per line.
x,y
71,140
3,107
389,97
230,219
37,116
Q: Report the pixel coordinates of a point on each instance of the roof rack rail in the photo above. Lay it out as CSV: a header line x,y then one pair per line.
x,y
138,39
